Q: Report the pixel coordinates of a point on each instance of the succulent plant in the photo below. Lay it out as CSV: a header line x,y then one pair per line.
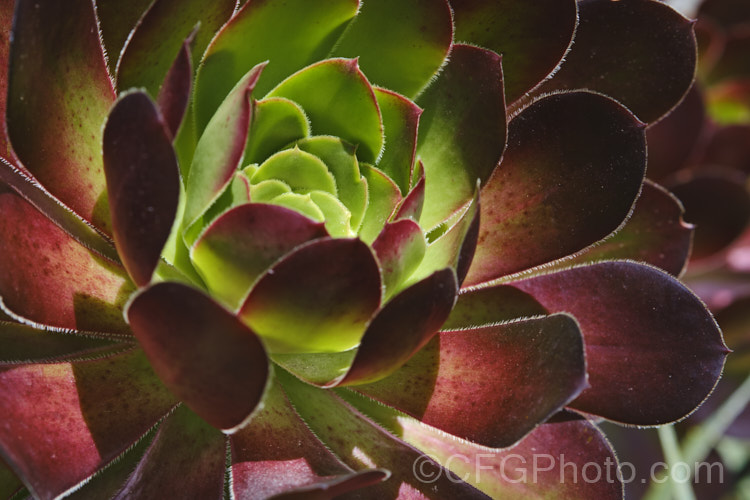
x,y
320,248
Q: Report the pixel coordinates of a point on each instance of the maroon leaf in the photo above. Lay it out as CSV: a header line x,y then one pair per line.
x,y
462,131
673,141
336,486
57,71
509,378
532,37
6,23
727,13
186,458
201,351
573,168
88,412
718,203
244,242
402,327
640,52
655,234
143,183
733,61
49,278
116,20
276,452
639,326
318,298
729,147
174,94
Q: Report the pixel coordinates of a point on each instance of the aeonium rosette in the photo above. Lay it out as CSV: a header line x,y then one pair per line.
x,y
350,250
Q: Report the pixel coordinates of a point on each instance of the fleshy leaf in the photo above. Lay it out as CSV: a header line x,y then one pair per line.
x,y
174,93
383,198
455,248
341,160
648,69
360,443
573,168
532,37
6,23
493,305
462,131
10,484
399,248
151,47
318,298
143,182
400,122
549,463
201,351
672,141
404,325
276,123
24,344
49,278
185,458
343,103
106,406
718,203
116,20
336,486
639,326
413,203
310,29
729,147
243,243
413,39
510,377
220,148
57,71
276,451
655,234
299,170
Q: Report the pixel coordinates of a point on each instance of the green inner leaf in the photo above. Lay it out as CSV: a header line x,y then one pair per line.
x,y
276,123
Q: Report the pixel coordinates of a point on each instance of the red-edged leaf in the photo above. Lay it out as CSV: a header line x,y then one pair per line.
x,y
310,31
57,71
220,148
402,327
573,168
413,40
400,122
244,242
640,52
88,412
319,298
361,443
673,141
492,305
201,351
276,452
174,94
336,486
49,278
653,350
151,47
718,203
143,182
655,233
413,203
532,37
186,458
399,249
491,385
462,131
383,196
568,459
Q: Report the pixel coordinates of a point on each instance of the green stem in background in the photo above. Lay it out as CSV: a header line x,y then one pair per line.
x,y
681,487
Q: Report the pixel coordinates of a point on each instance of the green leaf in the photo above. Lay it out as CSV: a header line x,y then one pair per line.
x,y
277,122
400,121
400,44
301,171
301,31
339,101
384,196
